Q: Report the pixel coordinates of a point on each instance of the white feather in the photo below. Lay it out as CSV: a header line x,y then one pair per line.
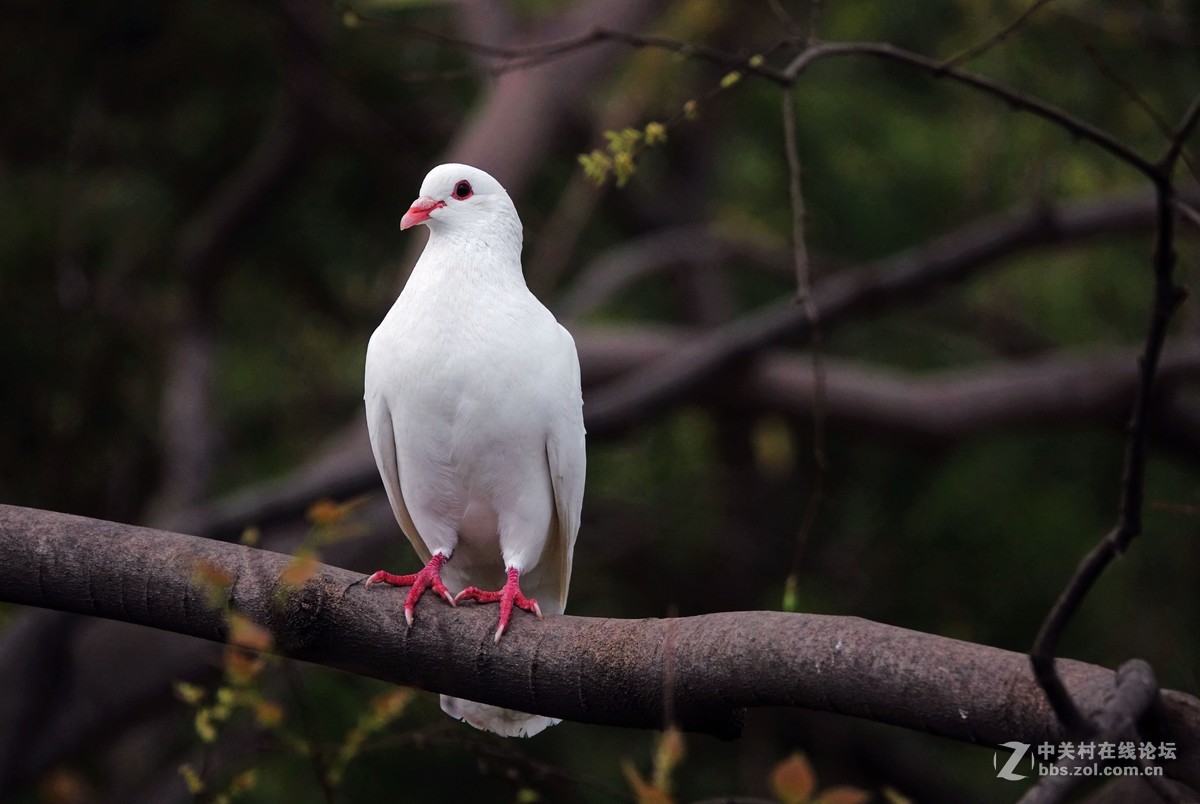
x,y
475,413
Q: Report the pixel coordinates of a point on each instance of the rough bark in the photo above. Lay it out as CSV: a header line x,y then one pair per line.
x,y
700,672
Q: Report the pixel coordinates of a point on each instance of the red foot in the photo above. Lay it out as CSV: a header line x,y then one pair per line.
x,y
430,576
507,597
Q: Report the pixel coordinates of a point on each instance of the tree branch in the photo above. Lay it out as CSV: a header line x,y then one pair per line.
x,y
837,298
1134,688
980,48
942,406
1167,297
591,670
1018,100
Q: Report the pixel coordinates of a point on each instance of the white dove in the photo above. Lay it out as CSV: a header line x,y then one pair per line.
x,y
475,415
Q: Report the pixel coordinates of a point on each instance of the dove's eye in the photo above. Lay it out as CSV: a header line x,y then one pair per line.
x,y
462,190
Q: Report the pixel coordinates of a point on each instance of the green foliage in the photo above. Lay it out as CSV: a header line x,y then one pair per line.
x,y
251,679
619,159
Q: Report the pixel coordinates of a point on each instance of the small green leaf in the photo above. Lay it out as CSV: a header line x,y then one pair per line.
x,y
789,593
656,133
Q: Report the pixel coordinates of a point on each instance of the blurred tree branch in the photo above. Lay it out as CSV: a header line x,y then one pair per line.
x,y
940,406
586,669
846,295
187,431
1167,297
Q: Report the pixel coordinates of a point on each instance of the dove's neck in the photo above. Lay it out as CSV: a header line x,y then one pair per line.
x,y
487,254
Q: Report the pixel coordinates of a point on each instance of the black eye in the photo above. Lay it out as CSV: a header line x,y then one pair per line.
x,y
462,190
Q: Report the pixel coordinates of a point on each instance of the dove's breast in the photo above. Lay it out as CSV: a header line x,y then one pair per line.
x,y
470,389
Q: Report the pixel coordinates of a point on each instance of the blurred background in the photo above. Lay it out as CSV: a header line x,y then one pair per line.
x,y
199,230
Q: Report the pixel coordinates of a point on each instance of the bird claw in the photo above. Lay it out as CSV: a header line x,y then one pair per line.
x,y
430,576
508,597
378,577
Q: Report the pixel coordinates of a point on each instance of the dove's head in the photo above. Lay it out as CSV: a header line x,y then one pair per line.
x,y
462,199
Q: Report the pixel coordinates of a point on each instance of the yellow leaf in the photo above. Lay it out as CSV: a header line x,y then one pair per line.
x,y
623,167
841,794
244,782
213,581
669,754
299,570
240,667
656,133
268,714
793,780
774,448
390,704
730,79
245,633
325,512
191,779
645,792
189,693
205,727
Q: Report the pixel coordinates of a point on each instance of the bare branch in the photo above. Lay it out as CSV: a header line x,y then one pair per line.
x,y
789,22
979,49
1134,689
804,299
943,406
840,297
600,280
585,669
1018,100
1187,125
795,177
1167,297
524,57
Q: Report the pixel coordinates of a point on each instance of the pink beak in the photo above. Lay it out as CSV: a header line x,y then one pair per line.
x,y
419,212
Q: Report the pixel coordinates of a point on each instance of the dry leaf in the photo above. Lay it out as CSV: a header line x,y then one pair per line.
x,y
793,780
842,794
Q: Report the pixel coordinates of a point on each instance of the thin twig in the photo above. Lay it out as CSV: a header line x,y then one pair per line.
x,y
1167,296
795,170
1134,689
1018,100
815,9
1184,130
1120,83
804,298
789,22
979,49
1138,99
533,55
317,754
526,57
1186,211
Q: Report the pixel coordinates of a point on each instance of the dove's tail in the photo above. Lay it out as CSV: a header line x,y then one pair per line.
x,y
505,722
